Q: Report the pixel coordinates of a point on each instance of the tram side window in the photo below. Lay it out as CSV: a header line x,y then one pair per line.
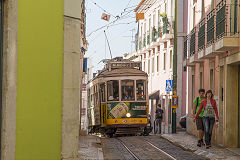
x,y
102,92
140,90
113,90
127,90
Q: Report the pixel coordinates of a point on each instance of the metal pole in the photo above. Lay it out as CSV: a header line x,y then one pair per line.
x,y
108,44
174,67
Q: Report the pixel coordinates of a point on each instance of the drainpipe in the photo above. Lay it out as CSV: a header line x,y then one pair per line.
x,y
174,67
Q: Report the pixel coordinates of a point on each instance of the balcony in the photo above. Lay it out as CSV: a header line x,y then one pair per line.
x,y
144,41
226,21
201,38
148,38
154,34
140,44
210,27
192,42
221,33
201,35
167,34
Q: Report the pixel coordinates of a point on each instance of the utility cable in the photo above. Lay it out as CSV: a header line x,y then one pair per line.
x,y
108,44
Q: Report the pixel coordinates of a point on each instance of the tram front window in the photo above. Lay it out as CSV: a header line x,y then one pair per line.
x,y
127,90
140,90
113,90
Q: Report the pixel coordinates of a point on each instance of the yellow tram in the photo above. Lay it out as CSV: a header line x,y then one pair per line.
x,y
118,99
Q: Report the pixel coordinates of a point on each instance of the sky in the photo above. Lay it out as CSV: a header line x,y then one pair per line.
x,y
119,32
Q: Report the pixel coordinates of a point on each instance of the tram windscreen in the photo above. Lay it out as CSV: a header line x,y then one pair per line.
x,y
140,90
127,90
113,90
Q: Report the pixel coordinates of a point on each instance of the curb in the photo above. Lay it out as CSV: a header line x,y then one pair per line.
x,y
200,152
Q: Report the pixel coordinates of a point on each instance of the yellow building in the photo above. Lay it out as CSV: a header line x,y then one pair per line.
x,y
41,44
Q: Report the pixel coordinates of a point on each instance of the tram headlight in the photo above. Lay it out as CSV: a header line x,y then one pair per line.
x,y
128,115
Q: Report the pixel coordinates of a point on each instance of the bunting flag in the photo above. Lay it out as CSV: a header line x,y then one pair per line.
x,y
105,17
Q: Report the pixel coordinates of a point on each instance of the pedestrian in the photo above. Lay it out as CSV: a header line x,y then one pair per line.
x,y
199,123
159,118
209,114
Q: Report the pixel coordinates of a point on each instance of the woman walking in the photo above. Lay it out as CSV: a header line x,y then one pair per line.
x,y
210,111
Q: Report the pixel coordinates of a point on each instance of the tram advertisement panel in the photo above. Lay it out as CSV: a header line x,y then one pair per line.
x,y
122,109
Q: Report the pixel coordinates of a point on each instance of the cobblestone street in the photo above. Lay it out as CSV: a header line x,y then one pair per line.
x,y
149,147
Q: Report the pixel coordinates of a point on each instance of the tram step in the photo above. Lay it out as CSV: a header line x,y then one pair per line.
x,y
128,131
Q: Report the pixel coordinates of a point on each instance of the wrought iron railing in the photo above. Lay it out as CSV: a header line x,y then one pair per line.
x,y
148,38
185,51
201,34
165,25
136,45
210,27
140,43
144,40
154,34
221,19
159,32
193,41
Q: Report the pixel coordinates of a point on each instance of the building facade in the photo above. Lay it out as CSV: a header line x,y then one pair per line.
x,y
155,50
212,58
40,73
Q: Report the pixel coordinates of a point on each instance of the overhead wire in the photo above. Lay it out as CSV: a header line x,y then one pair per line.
x,y
108,24
103,9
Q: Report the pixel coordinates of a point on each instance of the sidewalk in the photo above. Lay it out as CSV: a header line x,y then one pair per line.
x,y
90,147
189,142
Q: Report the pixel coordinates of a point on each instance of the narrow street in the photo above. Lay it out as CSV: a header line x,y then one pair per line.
x,y
144,147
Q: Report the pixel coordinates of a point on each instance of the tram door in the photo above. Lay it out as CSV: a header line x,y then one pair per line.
x,y
1,66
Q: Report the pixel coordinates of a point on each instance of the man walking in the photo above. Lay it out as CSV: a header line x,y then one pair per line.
x,y
159,118
199,123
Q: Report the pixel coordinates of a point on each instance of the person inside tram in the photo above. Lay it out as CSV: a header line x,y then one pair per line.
x,y
126,95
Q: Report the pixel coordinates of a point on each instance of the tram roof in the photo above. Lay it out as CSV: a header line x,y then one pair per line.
x,y
122,72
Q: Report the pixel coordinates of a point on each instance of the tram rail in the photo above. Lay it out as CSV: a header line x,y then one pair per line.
x,y
148,142
128,149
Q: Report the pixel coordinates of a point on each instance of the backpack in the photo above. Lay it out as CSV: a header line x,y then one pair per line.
x,y
159,114
197,105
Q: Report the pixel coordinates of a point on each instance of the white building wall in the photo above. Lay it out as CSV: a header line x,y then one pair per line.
x,y
157,78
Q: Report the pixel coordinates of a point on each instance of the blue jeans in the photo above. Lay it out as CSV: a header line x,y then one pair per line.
x,y
208,127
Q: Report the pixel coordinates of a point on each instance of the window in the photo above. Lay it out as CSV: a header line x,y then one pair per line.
x,y
211,80
152,64
113,90
164,61
159,18
194,10
154,20
144,63
150,24
203,9
171,59
201,80
127,90
140,90
149,66
102,92
157,63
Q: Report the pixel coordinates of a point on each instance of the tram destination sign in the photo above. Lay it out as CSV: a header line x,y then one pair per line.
x,y
125,65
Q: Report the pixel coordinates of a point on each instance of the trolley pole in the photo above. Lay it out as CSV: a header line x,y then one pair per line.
x,y
174,67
